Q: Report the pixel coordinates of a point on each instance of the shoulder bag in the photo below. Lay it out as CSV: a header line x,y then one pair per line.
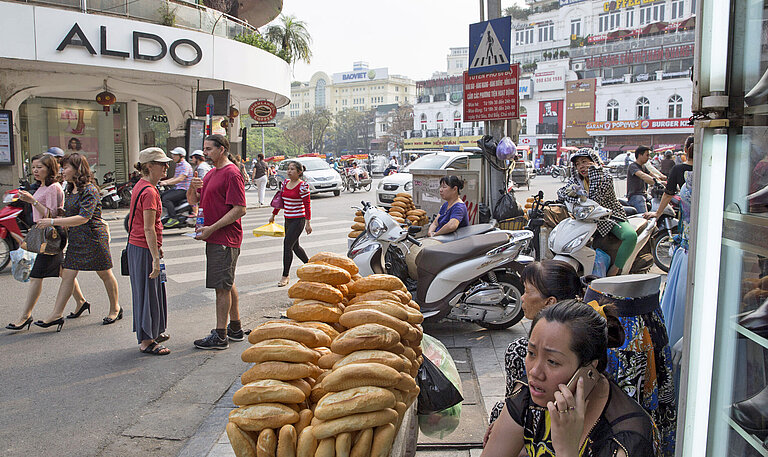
x,y
277,200
124,255
45,240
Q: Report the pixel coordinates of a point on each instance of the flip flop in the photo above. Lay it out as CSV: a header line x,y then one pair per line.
x,y
156,349
162,337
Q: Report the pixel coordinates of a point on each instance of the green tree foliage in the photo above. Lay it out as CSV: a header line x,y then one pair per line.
x,y
308,132
256,40
291,37
275,143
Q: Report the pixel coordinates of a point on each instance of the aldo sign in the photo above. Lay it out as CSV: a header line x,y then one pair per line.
x,y
146,47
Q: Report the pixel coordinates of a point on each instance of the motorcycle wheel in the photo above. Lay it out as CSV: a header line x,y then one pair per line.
x,y
555,173
336,193
367,187
351,186
125,197
125,223
513,291
562,177
662,252
5,254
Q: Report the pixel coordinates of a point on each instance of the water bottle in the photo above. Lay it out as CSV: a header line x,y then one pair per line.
x,y
163,277
200,221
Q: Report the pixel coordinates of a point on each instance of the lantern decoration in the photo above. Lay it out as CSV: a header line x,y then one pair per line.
x,y
224,123
233,113
106,99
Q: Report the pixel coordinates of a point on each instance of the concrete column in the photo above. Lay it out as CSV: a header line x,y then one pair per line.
x,y
134,139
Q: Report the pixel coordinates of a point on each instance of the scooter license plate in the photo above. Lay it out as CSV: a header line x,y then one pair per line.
x,y
116,197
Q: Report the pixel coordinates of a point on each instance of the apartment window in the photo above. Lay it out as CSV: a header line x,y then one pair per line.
x,y
602,23
547,32
613,110
423,120
519,37
630,22
677,9
642,108
658,12
675,104
645,15
523,121
439,120
306,104
397,88
576,27
397,99
693,6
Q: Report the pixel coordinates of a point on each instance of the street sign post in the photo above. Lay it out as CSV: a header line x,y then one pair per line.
x,y
492,96
489,44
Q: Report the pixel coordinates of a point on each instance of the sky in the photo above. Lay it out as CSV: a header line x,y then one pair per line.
x,y
410,37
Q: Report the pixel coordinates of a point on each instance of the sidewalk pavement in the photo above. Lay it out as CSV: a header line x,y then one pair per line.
x,y
486,349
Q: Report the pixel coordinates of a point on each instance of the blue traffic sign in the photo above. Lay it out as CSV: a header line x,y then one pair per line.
x,y
489,44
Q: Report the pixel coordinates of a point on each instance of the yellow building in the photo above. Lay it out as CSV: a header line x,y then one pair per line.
x,y
360,89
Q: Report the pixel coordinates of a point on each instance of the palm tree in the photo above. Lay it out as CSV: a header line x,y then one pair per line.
x,y
291,37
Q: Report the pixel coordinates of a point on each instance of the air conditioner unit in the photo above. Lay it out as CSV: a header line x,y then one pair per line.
x,y
601,139
578,66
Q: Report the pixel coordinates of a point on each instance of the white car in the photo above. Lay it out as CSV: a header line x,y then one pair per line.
x,y
391,185
318,174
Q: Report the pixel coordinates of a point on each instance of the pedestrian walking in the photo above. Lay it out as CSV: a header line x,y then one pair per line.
x,y
297,213
259,177
87,240
221,195
182,176
145,241
47,202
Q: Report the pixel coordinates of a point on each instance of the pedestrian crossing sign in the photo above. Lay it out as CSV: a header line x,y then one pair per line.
x,y
489,43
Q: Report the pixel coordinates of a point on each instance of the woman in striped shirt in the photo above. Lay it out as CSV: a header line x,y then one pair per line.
x,y
297,215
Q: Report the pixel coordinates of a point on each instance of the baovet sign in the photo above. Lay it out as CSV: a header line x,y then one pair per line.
x,y
183,51
360,75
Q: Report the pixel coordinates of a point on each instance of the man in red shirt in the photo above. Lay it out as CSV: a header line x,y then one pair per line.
x,y
221,195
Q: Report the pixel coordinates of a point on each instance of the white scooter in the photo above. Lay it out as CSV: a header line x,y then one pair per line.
x,y
475,278
569,239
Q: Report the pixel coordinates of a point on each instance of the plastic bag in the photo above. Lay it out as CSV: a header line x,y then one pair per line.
x,y
506,150
269,230
435,392
483,213
602,263
507,207
21,264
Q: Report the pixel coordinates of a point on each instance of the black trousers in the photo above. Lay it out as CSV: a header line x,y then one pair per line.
x,y
293,228
172,198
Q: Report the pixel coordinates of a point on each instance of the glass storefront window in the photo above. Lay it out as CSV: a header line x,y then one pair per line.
x,y
153,127
74,126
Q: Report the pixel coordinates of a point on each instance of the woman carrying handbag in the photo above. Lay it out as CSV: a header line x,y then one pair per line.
x,y
293,198
47,201
150,307
88,243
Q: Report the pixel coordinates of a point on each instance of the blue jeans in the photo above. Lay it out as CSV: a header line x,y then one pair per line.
x,y
638,202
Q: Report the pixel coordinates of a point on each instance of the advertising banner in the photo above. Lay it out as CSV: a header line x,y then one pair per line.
x,y
491,96
551,116
438,143
360,75
602,128
579,106
549,79
639,57
525,88
6,137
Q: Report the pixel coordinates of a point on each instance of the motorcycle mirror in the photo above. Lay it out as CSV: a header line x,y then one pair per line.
x,y
414,229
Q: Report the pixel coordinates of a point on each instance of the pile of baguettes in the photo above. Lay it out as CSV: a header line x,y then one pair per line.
x,y
336,378
403,208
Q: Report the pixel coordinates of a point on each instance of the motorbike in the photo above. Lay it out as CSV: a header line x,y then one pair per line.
x,y
184,213
470,275
664,241
272,182
559,172
108,192
570,240
351,184
15,222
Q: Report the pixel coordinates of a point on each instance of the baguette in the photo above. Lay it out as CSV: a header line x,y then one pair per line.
x,y
387,307
255,418
366,316
286,441
324,272
241,442
359,375
283,371
343,444
310,290
376,282
268,391
387,358
279,349
266,445
358,226
357,400
313,312
404,194
353,423
326,447
305,418
362,445
306,444
323,327
302,385
359,219
327,361
354,233
337,260
310,337
383,437
367,336
375,295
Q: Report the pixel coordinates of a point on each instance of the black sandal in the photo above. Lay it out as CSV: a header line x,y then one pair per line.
x,y
155,349
162,337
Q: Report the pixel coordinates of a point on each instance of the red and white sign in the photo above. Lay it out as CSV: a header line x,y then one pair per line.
x,y
637,125
262,111
550,79
492,96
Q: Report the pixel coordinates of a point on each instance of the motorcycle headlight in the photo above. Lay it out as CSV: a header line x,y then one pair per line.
x,y
408,186
574,243
376,227
582,212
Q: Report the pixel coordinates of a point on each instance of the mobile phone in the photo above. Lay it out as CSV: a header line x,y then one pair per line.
x,y
589,374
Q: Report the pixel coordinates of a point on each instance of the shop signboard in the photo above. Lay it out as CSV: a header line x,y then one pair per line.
x,y
549,147
6,137
639,57
525,88
360,75
569,2
262,111
549,79
438,143
491,96
489,43
579,106
616,5
602,128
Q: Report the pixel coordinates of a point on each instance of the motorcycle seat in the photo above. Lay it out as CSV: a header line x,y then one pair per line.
x,y
623,201
434,259
464,232
630,210
638,223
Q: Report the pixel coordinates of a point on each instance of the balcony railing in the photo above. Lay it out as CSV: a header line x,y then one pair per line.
x,y
633,44
185,14
546,129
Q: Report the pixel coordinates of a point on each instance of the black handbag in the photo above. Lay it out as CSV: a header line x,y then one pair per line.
x,y
124,255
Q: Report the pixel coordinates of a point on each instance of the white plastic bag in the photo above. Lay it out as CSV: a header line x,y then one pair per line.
x,y
21,264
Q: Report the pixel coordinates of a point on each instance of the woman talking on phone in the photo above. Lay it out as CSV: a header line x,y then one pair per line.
x,y
568,407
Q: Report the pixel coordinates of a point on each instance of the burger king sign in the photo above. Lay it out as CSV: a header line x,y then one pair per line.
x,y
262,111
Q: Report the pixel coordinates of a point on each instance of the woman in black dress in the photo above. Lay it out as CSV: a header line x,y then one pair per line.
x,y
88,239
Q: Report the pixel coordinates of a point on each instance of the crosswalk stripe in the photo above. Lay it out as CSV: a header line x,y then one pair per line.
x,y
247,269
277,249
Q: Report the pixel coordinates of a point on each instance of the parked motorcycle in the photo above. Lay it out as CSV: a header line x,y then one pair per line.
x,y
472,275
664,241
570,239
15,221
108,192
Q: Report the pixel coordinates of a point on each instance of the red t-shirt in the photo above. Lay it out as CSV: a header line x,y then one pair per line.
x,y
149,199
222,189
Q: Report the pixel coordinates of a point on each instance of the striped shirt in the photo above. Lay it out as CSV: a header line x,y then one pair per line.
x,y
295,201
183,168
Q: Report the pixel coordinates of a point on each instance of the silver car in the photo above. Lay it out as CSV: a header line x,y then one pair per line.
x,y
318,174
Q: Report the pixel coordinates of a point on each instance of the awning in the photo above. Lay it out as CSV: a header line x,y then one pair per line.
x,y
665,147
656,27
274,159
523,147
628,148
611,149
